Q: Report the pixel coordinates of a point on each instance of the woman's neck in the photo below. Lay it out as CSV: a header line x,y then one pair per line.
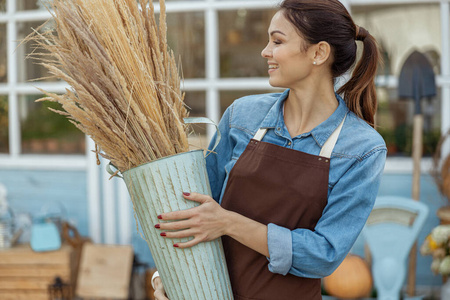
x,y
306,108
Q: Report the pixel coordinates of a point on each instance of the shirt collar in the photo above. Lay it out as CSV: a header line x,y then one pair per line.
x,y
275,119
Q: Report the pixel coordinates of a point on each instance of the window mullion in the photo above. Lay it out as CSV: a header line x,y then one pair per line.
x,y
212,65
14,124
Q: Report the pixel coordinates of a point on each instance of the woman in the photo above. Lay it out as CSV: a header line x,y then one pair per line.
x,y
296,174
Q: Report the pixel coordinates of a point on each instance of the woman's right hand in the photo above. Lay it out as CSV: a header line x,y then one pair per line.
x,y
160,293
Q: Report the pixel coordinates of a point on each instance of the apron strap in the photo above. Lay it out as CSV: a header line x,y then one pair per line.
x,y
328,146
260,134
331,142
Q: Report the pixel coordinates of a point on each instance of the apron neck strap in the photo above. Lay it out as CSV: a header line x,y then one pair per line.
x,y
328,146
260,134
331,142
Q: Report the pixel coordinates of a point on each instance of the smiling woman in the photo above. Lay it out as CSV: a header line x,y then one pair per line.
x,y
293,168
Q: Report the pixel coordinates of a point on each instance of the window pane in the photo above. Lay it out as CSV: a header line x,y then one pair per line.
x,y
395,122
3,59
228,97
242,37
31,4
401,29
2,5
186,37
196,102
28,69
45,132
4,127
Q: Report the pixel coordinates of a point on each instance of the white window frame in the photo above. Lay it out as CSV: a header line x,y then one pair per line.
x,y
212,84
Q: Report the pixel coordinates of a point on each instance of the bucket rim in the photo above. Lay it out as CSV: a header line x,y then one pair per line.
x,y
162,158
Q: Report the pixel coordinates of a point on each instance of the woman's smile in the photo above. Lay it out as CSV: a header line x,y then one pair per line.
x,y
273,67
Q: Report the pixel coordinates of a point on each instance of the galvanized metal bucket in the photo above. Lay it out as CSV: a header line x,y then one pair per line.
x,y
196,273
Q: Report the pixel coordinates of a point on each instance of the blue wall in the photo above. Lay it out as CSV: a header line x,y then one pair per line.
x,y
29,191
32,191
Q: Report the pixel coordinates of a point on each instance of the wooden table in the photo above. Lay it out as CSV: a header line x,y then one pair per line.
x,y
25,274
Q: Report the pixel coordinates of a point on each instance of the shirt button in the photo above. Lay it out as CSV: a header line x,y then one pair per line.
x,y
289,143
279,128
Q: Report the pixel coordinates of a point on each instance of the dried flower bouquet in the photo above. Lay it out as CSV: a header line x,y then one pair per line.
x,y
125,86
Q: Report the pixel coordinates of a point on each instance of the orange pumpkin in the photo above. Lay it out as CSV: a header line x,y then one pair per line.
x,y
352,279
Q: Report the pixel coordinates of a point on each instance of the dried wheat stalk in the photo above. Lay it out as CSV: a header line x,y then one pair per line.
x,y
125,86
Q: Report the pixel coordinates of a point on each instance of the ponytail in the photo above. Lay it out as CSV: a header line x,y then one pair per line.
x,y
359,92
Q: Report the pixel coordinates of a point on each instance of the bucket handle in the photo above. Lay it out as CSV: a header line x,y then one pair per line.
x,y
203,120
112,172
192,120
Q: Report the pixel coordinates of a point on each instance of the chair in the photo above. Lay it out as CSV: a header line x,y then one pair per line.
x,y
390,232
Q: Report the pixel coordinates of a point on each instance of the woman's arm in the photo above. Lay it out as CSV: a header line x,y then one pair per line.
x,y
209,221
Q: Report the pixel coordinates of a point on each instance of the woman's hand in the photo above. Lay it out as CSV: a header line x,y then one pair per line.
x,y
205,222
160,293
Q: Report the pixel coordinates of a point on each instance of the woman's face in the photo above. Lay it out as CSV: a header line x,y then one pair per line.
x,y
289,63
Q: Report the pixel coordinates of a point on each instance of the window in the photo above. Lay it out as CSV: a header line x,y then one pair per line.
x,y
45,132
30,4
4,126
3,47
395,122
186,37
242,37
29,69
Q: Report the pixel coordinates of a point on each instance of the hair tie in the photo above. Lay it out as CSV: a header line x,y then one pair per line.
x,y
361,33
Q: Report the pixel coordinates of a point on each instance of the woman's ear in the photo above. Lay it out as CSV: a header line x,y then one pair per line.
x,y
322,52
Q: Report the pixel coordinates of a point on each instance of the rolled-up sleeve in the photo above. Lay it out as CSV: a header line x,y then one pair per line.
x,y
280,249
317,253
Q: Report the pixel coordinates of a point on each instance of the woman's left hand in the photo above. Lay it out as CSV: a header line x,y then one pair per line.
x,y
205,222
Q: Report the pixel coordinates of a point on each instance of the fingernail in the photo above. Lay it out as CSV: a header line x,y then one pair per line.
x,y
157,226
159,217
186,194
175,245
162,234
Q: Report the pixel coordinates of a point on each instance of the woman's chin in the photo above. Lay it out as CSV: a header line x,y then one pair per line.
x,y
276,83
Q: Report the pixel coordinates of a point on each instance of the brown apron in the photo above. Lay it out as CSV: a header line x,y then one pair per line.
x,y
273,184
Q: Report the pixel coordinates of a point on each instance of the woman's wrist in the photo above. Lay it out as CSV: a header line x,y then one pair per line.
x,y
230,223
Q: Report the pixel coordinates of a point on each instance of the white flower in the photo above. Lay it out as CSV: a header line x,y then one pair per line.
x,y
440,234
435,264
444,268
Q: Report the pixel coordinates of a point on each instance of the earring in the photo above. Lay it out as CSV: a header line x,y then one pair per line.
x,y
314,63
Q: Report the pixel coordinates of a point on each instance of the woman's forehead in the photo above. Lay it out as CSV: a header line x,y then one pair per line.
x,y
281,23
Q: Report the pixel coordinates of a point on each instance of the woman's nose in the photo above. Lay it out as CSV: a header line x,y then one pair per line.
x,y
265,52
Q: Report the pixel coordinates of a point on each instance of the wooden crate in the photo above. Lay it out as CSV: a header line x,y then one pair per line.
x,y
25,274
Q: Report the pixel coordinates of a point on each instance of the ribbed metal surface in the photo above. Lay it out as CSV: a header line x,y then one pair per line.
x,y
196,273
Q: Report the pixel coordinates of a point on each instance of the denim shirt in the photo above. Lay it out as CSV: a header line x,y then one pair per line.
x,y
356,165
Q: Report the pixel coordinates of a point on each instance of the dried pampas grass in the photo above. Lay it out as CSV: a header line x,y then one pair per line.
x,y
125,86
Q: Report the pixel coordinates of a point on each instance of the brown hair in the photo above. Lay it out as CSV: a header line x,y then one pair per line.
x,y
329,21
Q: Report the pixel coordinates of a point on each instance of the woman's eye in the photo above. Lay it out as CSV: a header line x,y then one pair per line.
x,y
276,42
